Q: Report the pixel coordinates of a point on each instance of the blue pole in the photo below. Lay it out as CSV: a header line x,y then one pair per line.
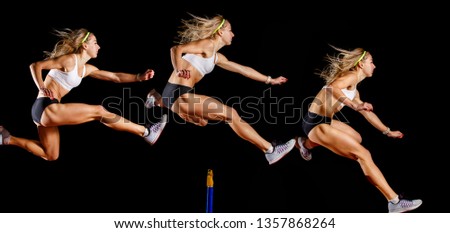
x,y
209,191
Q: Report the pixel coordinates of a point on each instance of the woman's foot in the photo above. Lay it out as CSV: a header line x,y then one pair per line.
x,y
4,136
153,99
404,205
279,151
304,152
155,130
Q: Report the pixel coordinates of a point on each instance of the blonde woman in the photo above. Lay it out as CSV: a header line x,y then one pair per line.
x,y
195,56
342,75
67,66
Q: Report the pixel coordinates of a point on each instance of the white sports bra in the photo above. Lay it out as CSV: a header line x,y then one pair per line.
x,y
67,80
203,65
348,93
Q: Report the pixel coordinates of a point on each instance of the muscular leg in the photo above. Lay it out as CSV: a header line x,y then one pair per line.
x,y
345,144
198,109
48,146
347,129
70,114
309,144
78,113
338,125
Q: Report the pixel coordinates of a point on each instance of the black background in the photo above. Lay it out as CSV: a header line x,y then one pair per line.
x,y
102,170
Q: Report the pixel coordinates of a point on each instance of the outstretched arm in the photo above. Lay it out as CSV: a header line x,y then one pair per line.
x,y
375,121
248,72
119,77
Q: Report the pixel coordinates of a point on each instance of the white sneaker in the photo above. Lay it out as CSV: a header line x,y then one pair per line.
x,y
156,130
279,151
4,136
304,152
153,99
404,205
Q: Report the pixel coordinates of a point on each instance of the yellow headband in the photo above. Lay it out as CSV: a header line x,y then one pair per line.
x,y
360,58
85,38
220,25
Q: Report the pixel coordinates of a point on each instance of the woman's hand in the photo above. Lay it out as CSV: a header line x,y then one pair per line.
x,y
184,74
149,73
395,134
47,92
278,81
364,106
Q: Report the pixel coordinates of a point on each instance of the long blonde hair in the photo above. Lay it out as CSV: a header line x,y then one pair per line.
x,y
198,28
69,42
342,62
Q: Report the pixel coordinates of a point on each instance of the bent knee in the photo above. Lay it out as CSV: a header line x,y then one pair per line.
x,y
364,156
193,119
358,138
198,121
234,115
229,115
202,122
355,135
51,153
104,116
51,156
100,110
43,124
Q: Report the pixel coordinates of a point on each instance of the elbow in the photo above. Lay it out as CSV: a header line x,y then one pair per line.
x,y
173,49
115,79
176,49
35,66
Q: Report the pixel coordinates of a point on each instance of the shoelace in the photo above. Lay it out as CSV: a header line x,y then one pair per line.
x,y
281,148
304,151
155,127
303,148
405,203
